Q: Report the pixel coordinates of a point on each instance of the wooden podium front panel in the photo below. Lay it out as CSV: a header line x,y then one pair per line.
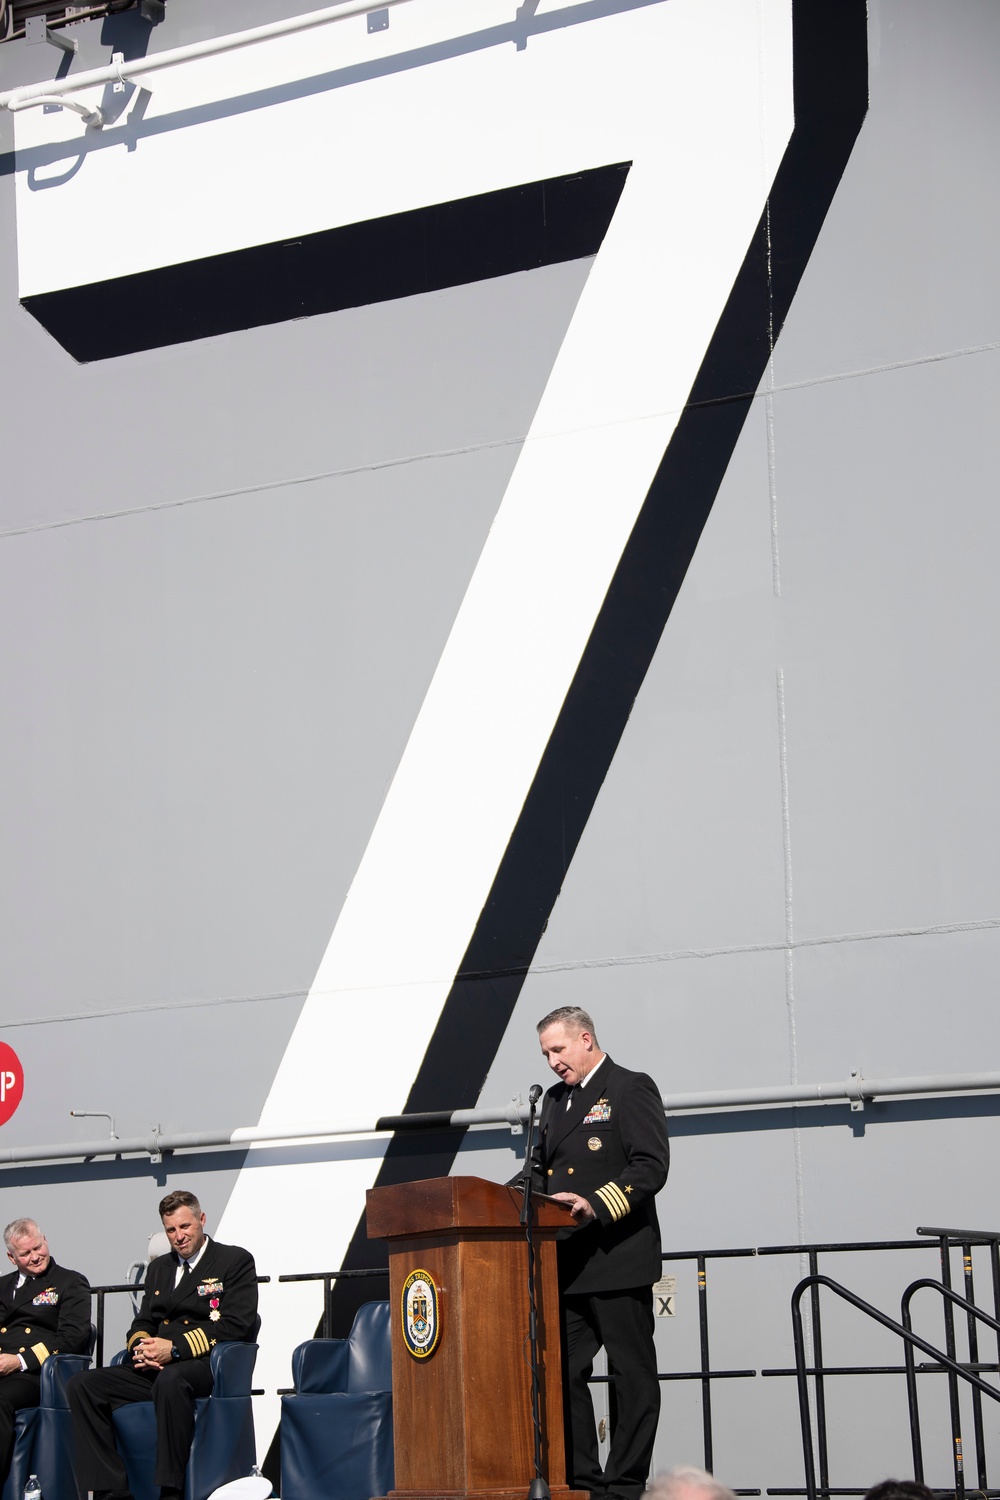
x,y
465,1412
428,1411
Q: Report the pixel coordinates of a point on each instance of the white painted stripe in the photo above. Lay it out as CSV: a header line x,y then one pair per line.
x,y
188,183
697,135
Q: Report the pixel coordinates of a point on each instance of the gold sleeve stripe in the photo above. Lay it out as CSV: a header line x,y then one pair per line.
x,y
40,1352
133,1337
620,1198
612,1207
614,1200
198,1342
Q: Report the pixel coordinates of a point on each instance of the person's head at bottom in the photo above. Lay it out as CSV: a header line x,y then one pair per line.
x,y
899,1489
686,1482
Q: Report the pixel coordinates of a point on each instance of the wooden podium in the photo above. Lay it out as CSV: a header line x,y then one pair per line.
x,y
462,1413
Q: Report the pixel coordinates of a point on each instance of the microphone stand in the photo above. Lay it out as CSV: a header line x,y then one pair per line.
x,y
539,1489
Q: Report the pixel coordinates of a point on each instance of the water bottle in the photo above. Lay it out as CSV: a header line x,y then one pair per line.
x,y
32,1490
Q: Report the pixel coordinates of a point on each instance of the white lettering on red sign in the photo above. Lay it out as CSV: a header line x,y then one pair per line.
x,y
11,1082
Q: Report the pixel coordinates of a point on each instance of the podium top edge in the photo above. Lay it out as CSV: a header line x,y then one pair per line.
x,y
437,1204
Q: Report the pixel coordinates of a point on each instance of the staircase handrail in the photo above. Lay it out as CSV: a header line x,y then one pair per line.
x,y
906,1334
961,1236
928,1282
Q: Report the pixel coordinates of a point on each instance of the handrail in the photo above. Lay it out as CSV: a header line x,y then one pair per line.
x,y
706,1375
962,1236
854,1091
328,1278
911,1374
966,1238
126,72
911,1338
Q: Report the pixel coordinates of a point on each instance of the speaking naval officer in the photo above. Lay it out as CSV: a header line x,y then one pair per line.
x,y
44,1310
603,1151
200,1294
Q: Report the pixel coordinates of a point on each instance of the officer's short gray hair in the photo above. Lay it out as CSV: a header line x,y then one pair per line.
x,y
19,1229
573,1017
687,1482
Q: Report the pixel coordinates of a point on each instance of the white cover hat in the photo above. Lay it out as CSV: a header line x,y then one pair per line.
x,y
253,1487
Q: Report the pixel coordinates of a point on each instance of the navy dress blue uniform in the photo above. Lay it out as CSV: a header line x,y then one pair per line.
x,y
49,1314
215,1302
610,1146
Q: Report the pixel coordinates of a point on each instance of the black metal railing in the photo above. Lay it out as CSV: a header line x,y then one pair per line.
x,y
911,1340
951,1299
100,1294
965,1239
328,1278
818,1372
816,1456
705,1374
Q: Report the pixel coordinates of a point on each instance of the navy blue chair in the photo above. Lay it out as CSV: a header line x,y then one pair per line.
x,y
223,1446
43,1434
336,1429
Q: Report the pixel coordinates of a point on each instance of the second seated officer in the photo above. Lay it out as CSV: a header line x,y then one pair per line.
x,y
201,1294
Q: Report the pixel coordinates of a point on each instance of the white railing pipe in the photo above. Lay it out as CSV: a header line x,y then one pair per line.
x,y
141,67
88,115
855,1090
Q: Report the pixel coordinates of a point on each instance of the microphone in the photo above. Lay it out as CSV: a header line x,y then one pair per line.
x,y
534,1093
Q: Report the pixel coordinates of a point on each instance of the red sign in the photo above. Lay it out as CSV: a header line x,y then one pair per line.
x,y
11,1082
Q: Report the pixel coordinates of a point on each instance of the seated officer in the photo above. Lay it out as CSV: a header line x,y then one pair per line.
x,y
201,1294
43,1310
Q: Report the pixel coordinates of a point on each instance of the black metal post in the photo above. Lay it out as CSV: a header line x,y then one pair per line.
x,y
977,1400
911,1398
819,1386
99,1320
802,1387
538,1489
706,1364
995,1270
958,1457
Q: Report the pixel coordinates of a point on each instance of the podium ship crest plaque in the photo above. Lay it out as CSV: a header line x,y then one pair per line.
x,y
420,1314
